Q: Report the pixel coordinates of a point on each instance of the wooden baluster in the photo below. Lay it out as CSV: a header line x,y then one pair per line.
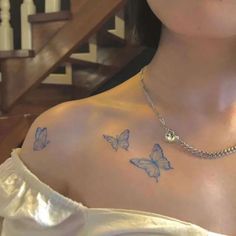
x,y
52,5
6,31
27,8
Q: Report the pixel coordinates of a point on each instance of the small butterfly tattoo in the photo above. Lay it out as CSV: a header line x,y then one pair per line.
x,y
40,139
121,140
156,162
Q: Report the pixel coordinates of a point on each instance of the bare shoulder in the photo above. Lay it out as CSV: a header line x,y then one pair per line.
x,y
64,140
59,137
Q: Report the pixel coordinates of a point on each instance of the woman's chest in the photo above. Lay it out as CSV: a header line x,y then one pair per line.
x,y
200,192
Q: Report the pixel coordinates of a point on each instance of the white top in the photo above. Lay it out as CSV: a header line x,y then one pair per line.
x,y
29,207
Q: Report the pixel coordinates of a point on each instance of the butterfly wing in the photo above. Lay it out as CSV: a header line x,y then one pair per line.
x,y
113,141
37,133
151,169
123,139
159,158
41,138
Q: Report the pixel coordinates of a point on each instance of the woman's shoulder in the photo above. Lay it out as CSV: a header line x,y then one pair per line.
x,y
61,134
68,133
56,125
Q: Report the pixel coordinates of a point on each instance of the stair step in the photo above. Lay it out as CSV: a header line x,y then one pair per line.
x,y
48,17
16,54
86,81
42,33
40,99
107,39
46,25
110,61
81,64
119,56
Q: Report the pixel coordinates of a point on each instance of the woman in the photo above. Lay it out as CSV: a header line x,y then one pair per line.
x,y
111,166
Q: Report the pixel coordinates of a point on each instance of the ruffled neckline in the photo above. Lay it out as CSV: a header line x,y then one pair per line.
x,y
62,200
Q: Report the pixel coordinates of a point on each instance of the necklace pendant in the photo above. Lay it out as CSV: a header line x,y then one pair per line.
x,y
170,136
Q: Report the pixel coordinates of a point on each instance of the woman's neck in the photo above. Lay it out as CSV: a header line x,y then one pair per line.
x,y
194,75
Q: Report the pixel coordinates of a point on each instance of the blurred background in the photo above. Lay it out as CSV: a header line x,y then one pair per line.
x,y
52,51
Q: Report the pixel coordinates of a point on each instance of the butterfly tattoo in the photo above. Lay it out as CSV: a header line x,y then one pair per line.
x,y
120,141
40,139
153,165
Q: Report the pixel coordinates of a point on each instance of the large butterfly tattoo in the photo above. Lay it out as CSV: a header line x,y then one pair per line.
x,y
40,139
153,165
121,140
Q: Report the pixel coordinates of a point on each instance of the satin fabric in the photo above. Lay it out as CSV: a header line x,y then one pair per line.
x,y
29,207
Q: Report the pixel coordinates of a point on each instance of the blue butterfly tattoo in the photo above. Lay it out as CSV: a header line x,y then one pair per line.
x,y
153,165
121,140
40,139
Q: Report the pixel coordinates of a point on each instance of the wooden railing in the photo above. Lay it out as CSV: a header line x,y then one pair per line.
x,y
55,38
27,8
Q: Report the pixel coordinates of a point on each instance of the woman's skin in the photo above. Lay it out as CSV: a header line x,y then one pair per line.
x,y
194,69
192,79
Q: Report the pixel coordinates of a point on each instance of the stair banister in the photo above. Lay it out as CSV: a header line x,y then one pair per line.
x,y
27,8
30,72
6,31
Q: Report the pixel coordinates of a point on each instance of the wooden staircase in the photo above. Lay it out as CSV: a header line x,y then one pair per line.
x,y
84,37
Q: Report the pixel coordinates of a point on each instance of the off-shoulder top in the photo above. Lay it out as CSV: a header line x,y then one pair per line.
x,y
29,207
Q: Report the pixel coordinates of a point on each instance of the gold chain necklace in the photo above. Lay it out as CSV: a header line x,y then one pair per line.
x,y
172,137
